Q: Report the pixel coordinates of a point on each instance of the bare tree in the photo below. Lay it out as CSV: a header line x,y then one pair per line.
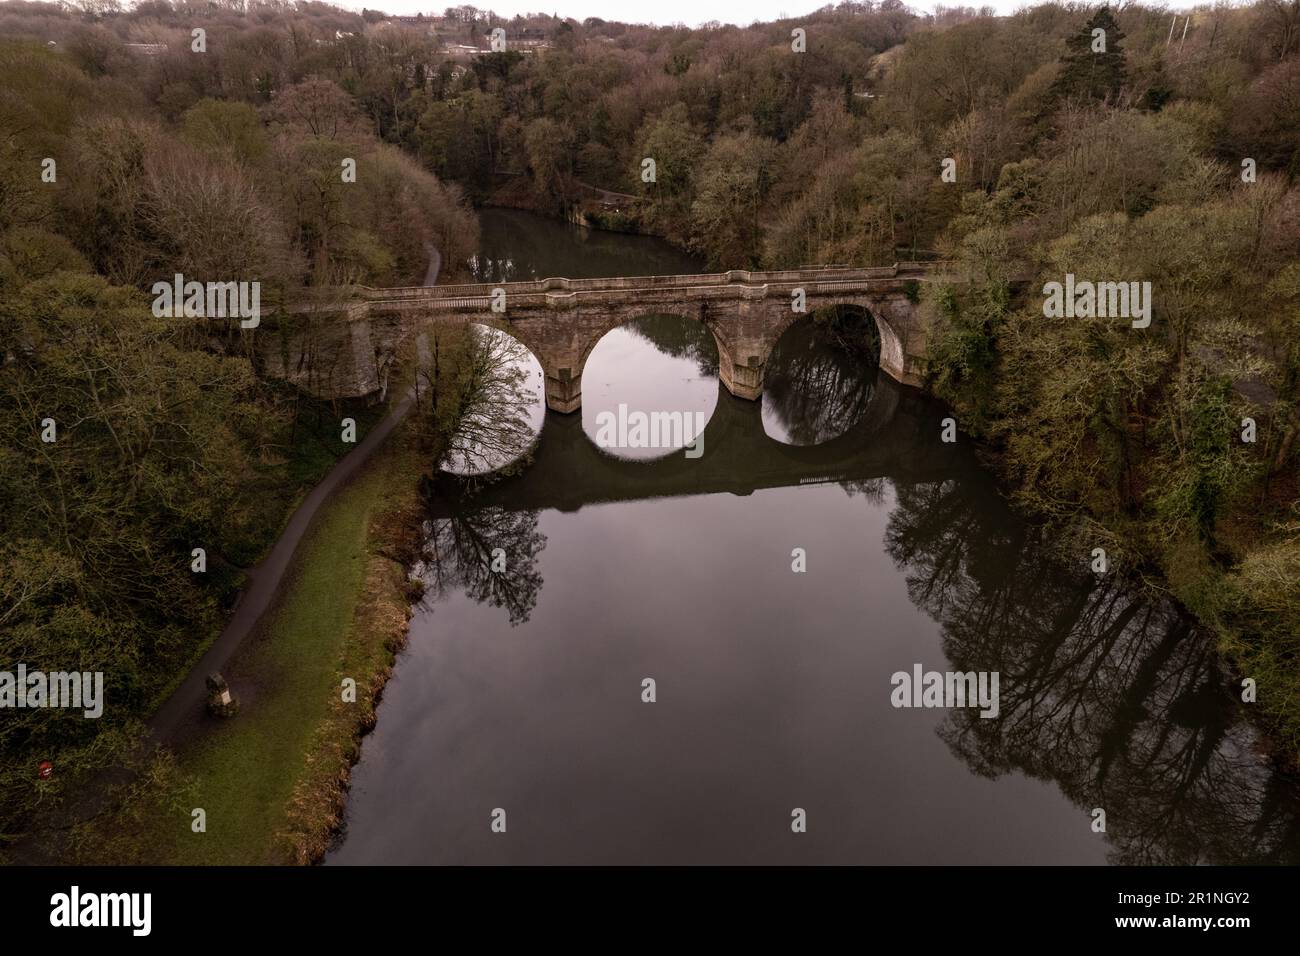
x,y
476,384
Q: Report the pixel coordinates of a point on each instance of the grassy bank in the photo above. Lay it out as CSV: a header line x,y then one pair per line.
x,y
271,780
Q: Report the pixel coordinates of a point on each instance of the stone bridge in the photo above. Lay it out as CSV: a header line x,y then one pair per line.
x,y
339,346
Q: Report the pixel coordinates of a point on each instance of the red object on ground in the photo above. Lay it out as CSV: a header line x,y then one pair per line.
x,y
47,770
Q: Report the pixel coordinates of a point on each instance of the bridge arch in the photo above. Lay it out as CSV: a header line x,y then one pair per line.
x,y
674,379
520,335
820,376
630,316
412,332
514,413
891,355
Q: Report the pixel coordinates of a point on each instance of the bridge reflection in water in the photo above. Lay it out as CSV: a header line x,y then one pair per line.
x,y
1107,690
897,437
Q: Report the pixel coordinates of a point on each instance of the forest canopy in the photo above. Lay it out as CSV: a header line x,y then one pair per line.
x,y
1014,147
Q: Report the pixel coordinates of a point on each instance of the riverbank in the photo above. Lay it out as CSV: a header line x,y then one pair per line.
x,y
1181,478
270,782
306,651
517,192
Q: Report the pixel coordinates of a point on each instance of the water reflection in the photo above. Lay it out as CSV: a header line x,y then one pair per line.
x,y
500,395
517,246
680,338
659,365
488,553
1107,690
819,380
568,471
520,685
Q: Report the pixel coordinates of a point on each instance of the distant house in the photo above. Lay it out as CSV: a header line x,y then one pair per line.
x,y
424,70
527,40
461,51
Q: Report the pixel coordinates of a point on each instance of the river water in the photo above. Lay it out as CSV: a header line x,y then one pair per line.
x,y
554,596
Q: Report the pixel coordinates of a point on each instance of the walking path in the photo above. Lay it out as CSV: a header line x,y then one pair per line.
x,y
184,709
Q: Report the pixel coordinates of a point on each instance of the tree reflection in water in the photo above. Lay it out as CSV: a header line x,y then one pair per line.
x,y
458,553
820,377
681,339
492,401
1105,689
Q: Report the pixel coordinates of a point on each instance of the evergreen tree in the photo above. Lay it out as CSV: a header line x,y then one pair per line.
x,y
1093,69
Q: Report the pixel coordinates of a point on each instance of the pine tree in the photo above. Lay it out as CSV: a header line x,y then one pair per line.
x,y
1093,69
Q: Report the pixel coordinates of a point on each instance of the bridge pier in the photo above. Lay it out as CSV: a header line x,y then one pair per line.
x,y
745,332
563,389
743,381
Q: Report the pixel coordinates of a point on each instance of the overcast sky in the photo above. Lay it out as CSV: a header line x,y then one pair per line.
x,y
690,12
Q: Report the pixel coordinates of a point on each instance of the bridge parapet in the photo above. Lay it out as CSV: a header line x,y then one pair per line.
x,y
646,297
640,283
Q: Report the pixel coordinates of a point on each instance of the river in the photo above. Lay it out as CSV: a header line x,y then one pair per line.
x,y
517,727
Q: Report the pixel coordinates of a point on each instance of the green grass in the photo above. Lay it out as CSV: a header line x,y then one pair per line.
x,y
310,451
270,779
245,769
